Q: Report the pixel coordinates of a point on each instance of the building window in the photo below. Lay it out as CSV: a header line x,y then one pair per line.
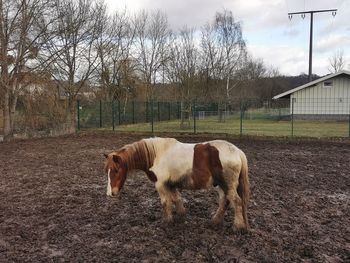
x,y
328,84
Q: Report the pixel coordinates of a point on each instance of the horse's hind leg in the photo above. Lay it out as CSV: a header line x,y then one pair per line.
x,y
236,204
166,200
220,212
180,209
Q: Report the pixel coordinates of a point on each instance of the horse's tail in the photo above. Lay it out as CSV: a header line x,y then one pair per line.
x,y
243,188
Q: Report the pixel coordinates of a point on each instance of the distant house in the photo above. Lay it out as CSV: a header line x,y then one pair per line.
x,y
324,98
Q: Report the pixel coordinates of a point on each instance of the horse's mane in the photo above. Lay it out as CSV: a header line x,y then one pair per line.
x,y
138,155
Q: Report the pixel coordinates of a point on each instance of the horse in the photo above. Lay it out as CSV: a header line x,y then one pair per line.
x,y
172,165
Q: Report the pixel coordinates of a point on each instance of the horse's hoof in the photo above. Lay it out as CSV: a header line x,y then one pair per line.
x,y
168,221
217,220
181,212
240,229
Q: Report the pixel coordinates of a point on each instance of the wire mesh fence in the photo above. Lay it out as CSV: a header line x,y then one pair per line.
x,y
289,117
299,117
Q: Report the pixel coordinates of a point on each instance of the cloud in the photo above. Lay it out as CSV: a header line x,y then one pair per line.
x,y
255,14
292,60
289,60
291,32
332,42
266,27
195,13
337,23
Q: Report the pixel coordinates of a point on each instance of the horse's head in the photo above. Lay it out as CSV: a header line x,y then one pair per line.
x,y
116,171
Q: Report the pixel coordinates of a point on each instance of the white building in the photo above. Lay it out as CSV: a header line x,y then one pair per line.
x,y
324,98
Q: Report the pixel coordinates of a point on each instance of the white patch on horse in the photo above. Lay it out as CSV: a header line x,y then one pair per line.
x,y
173,163
109,188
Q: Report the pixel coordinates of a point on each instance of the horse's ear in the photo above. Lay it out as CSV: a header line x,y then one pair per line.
x,y
117,159
105,155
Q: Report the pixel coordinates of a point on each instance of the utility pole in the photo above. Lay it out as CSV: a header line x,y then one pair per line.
x,y
290,15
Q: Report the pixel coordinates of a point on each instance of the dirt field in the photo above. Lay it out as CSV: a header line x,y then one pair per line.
x,y
53,206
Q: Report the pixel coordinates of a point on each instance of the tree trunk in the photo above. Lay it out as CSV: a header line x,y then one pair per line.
x,y
221,109
7,115
124,107
227,88
72,120
13,111
185,116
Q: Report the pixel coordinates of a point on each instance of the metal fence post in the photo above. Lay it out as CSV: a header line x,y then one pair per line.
x,y
113,121
152,121
133,112
169,109
349,118
78,114
292,116
194,118
158,110
119,122
241,118
100,113
218,110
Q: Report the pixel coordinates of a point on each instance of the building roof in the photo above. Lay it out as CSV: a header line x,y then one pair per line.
x,y
312,83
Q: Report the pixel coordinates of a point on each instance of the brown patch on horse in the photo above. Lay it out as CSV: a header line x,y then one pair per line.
x,y
200,168
118,171
207,164
139,155
151,175
216,168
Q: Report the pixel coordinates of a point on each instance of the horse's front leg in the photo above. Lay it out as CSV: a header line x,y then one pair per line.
x,y
166,201
180,209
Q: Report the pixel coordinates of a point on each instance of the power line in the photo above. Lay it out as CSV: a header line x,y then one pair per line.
x,y
311,12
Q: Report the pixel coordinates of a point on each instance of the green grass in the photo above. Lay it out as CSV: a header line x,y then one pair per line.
x,y
253,127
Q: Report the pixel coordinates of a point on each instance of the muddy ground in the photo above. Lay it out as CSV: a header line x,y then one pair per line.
x,y
53,206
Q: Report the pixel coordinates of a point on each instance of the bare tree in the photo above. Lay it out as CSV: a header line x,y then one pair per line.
x,y
223,50
151,38
337,61
248,76
269,84
210,56
256,80
231,45
114,47
72,52
183,69
23,24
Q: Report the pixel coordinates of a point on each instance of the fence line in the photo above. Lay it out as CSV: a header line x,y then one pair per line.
x,y
309,117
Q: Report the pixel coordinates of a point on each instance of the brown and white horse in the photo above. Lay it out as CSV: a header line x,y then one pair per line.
x,y
173,165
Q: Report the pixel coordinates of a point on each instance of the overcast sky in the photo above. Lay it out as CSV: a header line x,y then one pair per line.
x,y
269,34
